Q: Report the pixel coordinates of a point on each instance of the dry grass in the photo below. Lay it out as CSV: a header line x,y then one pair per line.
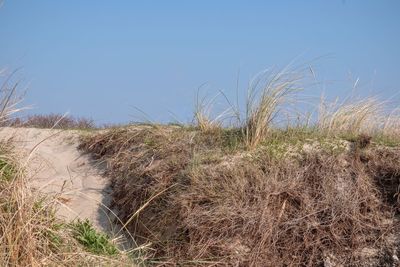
x,y
202,114
391,126
199,203
9,99
267,94
214,196
56,121
273,95
26,224
351,117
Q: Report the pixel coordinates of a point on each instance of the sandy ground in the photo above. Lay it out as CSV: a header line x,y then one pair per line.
x,y
56,167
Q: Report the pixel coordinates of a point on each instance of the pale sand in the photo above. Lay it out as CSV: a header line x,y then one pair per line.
x,y
56,167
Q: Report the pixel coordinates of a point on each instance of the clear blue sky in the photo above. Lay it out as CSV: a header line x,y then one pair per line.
x,y
101,58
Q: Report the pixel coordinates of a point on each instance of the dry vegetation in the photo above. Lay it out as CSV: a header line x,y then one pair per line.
x,y
199,200
202,116
56,121
259,194
252,193
352,117
272,95
266,95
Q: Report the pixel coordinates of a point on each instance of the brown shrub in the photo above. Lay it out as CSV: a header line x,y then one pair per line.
x,y
153,158
197,204
57,121
384,165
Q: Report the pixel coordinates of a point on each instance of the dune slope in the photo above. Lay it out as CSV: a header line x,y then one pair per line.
x,y
56,167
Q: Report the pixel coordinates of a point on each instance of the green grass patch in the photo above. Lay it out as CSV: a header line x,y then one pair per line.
x,y
7,170
55,239
91,239
227,139
387,141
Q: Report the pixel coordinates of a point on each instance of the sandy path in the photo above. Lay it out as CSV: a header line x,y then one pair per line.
x,y
56,167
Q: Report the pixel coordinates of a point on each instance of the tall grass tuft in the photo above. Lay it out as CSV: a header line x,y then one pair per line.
x,y
9,99
267,95
391,126
352,117
203,114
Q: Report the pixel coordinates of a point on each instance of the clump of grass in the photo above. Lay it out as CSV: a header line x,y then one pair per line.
x,y
267,94
6,169
24,225
91,239
7,166
353,117
391,126
9,99
202,114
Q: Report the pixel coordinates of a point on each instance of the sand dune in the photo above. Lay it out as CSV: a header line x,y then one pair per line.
x,y
56,167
